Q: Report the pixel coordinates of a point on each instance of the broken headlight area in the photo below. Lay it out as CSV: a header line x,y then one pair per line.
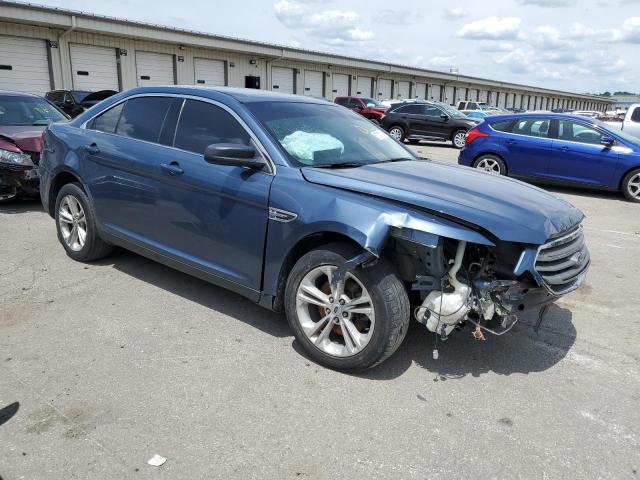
x,y
453,282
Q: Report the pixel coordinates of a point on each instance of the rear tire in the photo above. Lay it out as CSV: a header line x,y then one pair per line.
x,y
76,225
397,132
377,326
631,185
8,195
490,163
458,139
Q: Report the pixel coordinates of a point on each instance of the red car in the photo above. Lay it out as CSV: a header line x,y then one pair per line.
x,y
23,118
367,107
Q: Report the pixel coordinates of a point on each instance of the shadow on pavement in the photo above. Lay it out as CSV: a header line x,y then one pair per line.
x,y
6,413
519,351
21,206
199,291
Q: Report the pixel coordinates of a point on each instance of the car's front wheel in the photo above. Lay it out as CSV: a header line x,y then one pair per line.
x,y
458,138
76,225
353,326
631,185
397,132
491,163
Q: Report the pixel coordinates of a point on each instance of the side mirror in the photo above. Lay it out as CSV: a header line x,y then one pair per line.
x,y
444,117
234,155
607,141
68,101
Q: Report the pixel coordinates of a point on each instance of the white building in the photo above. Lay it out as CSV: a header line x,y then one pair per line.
x,y
43,48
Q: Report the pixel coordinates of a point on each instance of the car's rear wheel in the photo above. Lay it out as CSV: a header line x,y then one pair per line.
x,y
397,132
353,326
631,185
76,225
8,194
491,163
458,138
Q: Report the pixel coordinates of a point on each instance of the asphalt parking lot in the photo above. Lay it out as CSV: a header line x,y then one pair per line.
x,y
104,365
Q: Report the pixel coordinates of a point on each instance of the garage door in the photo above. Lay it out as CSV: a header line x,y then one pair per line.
x,y
448,95
24,65
403,90
154,69
340,85
94,68
436,92
421,91
483,96
209,72
364,86
384,89
282,80
313,83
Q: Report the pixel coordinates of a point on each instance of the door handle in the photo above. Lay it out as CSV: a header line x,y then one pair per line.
x,y
92,149
564,149
172,168
511,142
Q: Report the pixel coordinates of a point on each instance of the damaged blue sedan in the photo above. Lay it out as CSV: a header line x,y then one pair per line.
x,y
305,207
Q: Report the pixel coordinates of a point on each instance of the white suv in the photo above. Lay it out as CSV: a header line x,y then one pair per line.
x,y
631,123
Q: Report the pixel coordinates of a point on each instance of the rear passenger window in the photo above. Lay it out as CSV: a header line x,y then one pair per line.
x,y
532,127
108,121
143,117
635,116
503,126
202,124
411,109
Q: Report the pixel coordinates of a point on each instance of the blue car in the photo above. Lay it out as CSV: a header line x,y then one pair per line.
x,y
556,148
308,208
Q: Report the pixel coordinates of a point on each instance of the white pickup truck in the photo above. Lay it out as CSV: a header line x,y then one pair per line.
x,y
631,123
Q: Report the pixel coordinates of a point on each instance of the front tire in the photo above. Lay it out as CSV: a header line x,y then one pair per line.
x,y
76,225
353,329
458,139
490,163
631,185
397,133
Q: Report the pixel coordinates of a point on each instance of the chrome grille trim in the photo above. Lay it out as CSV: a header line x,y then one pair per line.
x,y
563,262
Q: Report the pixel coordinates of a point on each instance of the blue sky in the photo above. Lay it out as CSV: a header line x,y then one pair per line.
x,y
585,46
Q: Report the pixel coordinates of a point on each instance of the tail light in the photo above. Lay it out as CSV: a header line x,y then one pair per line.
x,y
474,134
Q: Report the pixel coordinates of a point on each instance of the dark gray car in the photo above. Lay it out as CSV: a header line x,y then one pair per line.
x,y
427,121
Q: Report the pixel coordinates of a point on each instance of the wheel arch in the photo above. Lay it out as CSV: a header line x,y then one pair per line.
x,y
60,179
302,247
624,174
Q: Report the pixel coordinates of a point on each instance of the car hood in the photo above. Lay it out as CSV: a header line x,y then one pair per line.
x,y
509,209
27,138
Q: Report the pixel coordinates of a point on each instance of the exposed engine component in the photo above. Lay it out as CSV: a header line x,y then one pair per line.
x,y
443,309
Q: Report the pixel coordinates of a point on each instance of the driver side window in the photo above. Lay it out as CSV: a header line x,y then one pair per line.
x,y
577,132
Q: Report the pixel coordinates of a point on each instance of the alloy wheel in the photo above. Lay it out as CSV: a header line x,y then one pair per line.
x,y
338,321
459,138
396,133
489,165
73,223
634,186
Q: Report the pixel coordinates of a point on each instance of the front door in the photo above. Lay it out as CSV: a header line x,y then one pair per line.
x,y
578,156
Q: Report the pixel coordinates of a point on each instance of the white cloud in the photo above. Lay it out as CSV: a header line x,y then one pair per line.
x,y
547,37
442,61
455,13
333,27
579,31
546,3
517,61
631,30
494,28
493,46
396,17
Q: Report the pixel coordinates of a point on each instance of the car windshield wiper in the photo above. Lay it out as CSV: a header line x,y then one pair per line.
x,y
401,159
340,165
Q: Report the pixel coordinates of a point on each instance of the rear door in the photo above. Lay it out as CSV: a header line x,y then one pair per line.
x,y
529,146
578,155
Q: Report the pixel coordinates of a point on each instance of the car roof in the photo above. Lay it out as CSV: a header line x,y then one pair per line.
x,y
560,116
242,95
18,94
